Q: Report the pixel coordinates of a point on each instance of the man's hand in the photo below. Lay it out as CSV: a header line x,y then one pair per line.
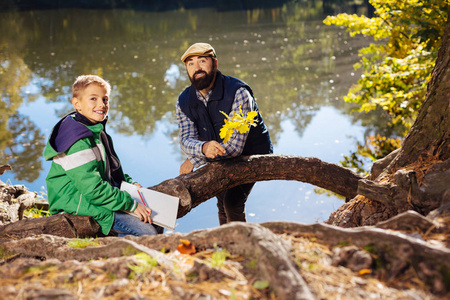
x,y
143,212
186,167
212,149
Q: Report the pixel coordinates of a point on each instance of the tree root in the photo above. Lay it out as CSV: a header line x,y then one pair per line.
x,y
396,251
274,260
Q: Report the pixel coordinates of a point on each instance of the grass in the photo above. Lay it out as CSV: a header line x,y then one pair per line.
x,y
218,257
83,243
146,264
34,212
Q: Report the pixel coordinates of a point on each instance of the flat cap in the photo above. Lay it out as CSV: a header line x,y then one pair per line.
x,y
201,49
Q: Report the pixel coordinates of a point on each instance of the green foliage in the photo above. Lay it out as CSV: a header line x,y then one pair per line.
x,y
398,67
39,269
371,249
252,263
34,212
261,285
129,250
42,195
375,147
354,162
379,261
321,191
83,243
145,265
218,257
4,253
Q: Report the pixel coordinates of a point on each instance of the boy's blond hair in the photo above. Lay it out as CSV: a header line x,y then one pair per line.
x,y
83,81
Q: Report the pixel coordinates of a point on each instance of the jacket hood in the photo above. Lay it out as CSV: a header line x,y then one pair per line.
x,y
65,133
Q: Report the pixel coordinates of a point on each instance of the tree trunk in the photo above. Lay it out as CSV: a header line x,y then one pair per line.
x,y
430,134
416,176
199,186
64,225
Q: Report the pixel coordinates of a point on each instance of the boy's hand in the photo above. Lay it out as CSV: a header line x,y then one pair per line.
x,y
143,212
212,149
186,167
138,185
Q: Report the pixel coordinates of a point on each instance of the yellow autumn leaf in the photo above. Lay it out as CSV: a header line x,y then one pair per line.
x,y
251,116
225,134
237,122
227,116
243,128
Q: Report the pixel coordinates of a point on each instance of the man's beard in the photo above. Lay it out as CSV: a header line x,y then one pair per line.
x,y
203,82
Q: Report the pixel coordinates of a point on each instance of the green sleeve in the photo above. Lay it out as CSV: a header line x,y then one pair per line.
x,y
129,179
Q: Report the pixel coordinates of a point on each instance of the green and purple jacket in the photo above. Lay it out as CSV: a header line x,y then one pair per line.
x,y
79,182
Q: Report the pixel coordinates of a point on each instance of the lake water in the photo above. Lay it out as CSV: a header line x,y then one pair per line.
x,y
298,68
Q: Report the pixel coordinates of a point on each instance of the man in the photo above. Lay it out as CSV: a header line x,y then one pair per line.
x,y
200,120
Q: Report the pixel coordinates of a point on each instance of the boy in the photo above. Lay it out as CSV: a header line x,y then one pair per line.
x,y
85,175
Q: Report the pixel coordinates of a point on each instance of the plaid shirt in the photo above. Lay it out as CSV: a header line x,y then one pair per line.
x,y
188,134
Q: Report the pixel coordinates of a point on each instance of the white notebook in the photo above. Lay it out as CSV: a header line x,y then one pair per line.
x,y
164,207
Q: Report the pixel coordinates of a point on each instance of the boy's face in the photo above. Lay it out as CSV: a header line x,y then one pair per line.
x,y
93,103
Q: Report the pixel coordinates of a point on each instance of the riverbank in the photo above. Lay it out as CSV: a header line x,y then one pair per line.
x,y
236,261
210,273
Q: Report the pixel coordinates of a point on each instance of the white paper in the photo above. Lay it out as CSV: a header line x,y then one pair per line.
x,y
164,207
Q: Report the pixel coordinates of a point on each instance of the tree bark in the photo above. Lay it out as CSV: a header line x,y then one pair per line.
x,y
197,187
201,185
4,168
64,225
430,134
379,201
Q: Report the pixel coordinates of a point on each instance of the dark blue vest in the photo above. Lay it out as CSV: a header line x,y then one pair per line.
x,y
209,120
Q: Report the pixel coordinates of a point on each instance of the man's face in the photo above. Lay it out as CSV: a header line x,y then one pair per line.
x,y
201,71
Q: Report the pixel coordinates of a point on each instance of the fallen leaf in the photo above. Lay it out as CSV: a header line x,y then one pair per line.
x,y
186,247
365,271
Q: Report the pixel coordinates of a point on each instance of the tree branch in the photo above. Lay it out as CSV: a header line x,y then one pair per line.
x,y
197,187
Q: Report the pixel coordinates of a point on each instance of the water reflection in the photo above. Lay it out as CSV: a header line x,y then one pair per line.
x,y
294,64
24,152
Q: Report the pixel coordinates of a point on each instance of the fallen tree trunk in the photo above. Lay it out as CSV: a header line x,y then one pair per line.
x,y
207,182
203,184
64,225
197,187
